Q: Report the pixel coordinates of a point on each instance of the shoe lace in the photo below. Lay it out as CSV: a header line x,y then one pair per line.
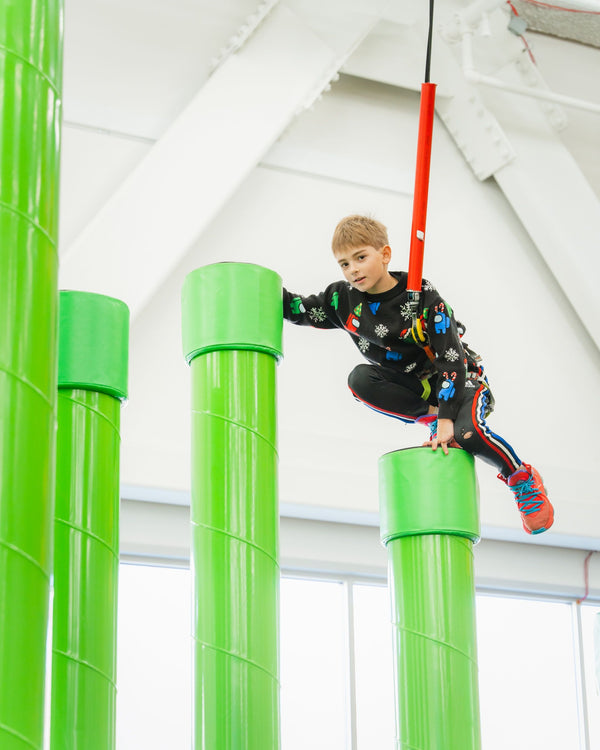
x,y
527,496
430,423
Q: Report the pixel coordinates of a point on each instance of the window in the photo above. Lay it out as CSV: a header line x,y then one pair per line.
x,y
374,678
527,686
313,659
538,661
154,658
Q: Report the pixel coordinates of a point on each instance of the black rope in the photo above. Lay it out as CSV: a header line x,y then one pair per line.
x,y
430,34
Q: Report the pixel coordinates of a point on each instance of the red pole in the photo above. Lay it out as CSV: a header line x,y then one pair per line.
x,y
417,236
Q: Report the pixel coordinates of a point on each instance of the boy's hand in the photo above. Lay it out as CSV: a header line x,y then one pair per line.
x,y
445,436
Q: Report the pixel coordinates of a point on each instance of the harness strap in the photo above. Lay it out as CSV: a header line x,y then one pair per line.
x,y
420,337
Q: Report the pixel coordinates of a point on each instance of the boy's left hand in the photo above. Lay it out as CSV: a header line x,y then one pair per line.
x,y
444,437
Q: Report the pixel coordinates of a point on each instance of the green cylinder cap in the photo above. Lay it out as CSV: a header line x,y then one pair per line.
x,y
93,350
232,306
423,491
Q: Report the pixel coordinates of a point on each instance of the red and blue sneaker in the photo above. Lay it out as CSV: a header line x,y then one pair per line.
x,y
430,421
536,510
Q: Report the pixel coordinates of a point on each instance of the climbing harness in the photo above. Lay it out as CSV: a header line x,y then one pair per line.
x,y
419,334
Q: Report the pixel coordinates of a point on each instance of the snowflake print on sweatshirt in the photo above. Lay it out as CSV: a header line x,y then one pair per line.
x,y
406,311
381,330
317,314
451,355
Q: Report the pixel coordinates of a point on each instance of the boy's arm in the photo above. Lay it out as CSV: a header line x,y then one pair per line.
x,y
450,361
316,310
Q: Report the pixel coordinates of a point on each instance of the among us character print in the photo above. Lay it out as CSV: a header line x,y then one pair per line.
x,y
352,322
447,388
297,306
441,321
393,356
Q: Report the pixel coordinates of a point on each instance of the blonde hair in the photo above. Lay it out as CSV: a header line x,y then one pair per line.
x,y
356,230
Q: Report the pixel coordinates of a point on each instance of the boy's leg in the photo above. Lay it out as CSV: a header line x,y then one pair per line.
x,y
472,433
392,393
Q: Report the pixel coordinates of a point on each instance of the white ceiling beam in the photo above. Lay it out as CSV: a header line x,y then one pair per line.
x,y
161,209
557,207
514,138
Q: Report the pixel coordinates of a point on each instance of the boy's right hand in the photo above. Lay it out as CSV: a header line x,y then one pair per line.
x,y
444,437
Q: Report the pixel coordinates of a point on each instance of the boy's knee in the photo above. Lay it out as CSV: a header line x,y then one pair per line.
x,y
464,434
359,379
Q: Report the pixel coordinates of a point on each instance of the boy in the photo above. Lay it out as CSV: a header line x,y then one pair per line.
x,y
420,370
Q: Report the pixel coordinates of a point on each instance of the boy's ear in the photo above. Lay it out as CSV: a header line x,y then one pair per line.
x,y
386,252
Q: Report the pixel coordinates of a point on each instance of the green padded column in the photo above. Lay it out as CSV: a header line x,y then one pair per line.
x,y
232,322
429,522
30,108
92,381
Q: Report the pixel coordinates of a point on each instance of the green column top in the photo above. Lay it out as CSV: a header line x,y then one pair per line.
x,y
232,306
426,492
93,348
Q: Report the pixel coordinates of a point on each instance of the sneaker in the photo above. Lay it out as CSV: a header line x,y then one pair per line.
x,y
430,421
536,510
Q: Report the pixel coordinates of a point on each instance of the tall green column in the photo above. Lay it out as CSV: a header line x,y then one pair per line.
x,y
92,382
232,323
30,107
429,522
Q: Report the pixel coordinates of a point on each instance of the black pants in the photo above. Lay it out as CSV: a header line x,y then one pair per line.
x,y
403,397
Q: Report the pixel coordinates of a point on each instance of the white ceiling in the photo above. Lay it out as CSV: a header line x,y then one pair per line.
x,y
198,131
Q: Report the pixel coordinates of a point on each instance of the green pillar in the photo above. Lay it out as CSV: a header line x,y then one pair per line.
x,y
232,323
92,382
429,522
30,108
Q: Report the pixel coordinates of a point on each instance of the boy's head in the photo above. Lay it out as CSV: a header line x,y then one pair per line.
x,y
360,246
358,231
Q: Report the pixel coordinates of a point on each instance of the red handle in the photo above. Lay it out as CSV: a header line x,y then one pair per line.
x,y
417,235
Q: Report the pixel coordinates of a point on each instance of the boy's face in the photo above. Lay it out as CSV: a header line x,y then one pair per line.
x,y
365,268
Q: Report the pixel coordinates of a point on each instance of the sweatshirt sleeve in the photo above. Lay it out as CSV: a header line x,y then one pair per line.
x,y
450,360
316,310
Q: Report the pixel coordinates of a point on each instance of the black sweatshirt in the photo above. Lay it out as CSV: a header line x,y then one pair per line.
x,y
379,325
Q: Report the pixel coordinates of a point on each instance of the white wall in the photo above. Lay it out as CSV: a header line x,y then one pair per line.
x,y
154,532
